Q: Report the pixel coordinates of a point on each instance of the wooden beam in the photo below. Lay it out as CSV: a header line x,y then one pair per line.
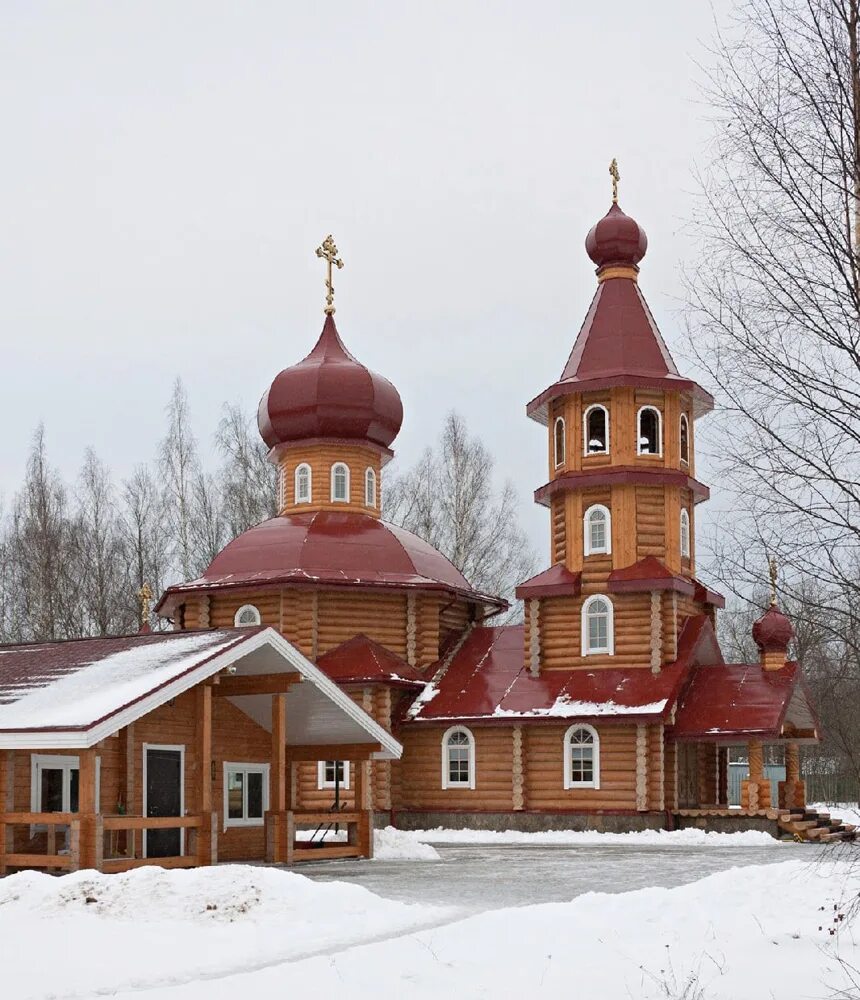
x,y
89,836
206,850
278,774
7,787
235,687
333,751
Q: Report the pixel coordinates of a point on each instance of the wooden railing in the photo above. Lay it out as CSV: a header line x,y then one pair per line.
x,y
50,858
281,832
131,825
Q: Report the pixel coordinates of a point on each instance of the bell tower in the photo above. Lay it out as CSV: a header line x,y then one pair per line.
x,y
621,486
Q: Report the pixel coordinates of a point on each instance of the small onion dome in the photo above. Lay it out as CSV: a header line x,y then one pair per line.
x,y
330,395
616,240
773,631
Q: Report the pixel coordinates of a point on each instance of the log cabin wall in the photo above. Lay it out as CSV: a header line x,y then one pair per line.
x,y
321,457
561,633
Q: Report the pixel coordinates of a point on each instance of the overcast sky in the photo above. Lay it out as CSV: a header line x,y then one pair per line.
x,y
167,170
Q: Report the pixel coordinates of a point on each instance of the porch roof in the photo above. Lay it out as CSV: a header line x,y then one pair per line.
x,y
74,693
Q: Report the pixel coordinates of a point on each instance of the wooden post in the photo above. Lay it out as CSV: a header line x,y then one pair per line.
x,y
792,791
7,803
365,819
130,789
278,778
89,846
755,792
205,846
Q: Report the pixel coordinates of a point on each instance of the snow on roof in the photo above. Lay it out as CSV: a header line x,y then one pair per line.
x,y
75,684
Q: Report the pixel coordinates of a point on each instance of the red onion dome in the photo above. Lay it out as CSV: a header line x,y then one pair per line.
x,y
616,239
773,631
330,395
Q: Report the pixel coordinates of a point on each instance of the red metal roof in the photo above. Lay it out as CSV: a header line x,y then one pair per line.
x,y
330,395
609,474
736,699
330,548
360,660
649,574
553,582
616,239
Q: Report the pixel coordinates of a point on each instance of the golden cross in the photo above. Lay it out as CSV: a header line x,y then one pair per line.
x,y
616,177
328,251
773,571
145,595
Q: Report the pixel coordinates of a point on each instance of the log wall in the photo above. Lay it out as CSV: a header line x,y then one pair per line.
x,y
321,457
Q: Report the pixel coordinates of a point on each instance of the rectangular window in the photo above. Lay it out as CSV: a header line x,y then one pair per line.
x,y
581,765
597,633
328,769
55,780
458,765
246,794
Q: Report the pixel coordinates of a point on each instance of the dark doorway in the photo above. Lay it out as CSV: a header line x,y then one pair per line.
x,y
164,780
688,775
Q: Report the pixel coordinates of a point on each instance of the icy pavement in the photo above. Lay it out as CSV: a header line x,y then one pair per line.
x,y
480,877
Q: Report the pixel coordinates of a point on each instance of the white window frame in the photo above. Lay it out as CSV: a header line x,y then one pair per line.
x,y
166,746
610,627
58,762
559,454
595,757
446,782
298,498
685,533
639,435
334,468
369,487
585,416
236,767
586,528
322,783
241,611
681,424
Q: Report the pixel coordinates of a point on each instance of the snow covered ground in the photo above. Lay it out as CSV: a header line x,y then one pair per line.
x,y
749,931
848,812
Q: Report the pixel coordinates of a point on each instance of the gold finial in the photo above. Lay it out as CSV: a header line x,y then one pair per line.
x,y
145,595
328,251
616,177
771,563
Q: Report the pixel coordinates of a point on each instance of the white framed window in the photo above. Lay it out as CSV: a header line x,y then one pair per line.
x,y
597,626
247,615
685,533
54,783
458,758
598,530
246,794
649,425
595,430
559,442
684,438
332,772
340,482
581,757
369,488
303,483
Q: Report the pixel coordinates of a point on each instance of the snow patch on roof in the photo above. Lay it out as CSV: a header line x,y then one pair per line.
x,y
565,708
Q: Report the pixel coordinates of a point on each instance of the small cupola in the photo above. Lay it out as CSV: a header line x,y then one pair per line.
x,y
773,632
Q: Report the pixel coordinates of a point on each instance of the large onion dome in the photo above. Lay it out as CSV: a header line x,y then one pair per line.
x,y
773,631
330,395
616,240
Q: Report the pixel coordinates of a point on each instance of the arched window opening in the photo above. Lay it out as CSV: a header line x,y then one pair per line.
x,y
458,758
596,430
650,442
685,534
685,439
559,441
369,488
340,482
303,483
581,757
597,626
247,615
598,530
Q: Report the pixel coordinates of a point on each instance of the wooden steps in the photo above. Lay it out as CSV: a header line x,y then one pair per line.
x,y
819,828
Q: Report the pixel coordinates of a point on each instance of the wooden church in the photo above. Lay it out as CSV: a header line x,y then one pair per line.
x,y
338,665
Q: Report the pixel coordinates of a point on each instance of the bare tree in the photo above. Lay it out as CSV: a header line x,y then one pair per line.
x,y
180,471
145,536
449,498
248,493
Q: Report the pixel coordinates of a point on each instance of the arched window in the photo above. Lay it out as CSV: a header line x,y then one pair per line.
x,y
340,482
303,483
247,615
458,758
685,534
559,441
685,439
595,430
650,431
597,626
369,488
598,530
581,757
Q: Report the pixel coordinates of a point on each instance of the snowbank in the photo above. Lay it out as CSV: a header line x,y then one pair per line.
x,y
150,926
848,812
391,844
661,838
742,934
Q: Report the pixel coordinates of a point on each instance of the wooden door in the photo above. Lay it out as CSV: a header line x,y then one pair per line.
x,y
688,775
164,797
